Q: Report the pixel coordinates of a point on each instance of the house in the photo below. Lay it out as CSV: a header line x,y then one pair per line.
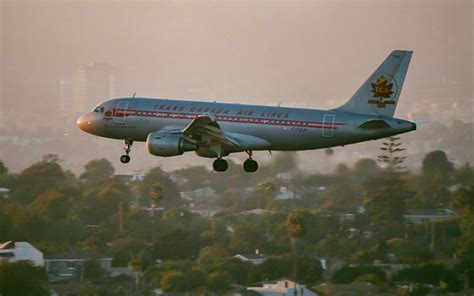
x,y
428,215
256,258
284,287
285,194
69,265
206,211
15,251
4,192
256,212
206,194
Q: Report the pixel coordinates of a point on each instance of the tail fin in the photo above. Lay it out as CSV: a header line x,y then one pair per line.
x,y
379,94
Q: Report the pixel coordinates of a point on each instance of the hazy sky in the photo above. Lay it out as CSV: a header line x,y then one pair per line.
x,y
296,52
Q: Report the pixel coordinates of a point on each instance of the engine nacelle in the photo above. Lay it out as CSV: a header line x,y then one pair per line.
x,y
168,144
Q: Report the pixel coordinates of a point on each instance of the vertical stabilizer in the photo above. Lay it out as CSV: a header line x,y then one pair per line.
x,y
379,94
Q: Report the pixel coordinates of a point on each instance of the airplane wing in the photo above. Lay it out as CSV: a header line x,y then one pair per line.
x,y
206,127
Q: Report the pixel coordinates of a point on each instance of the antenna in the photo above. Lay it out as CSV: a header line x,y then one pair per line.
x,y
134,94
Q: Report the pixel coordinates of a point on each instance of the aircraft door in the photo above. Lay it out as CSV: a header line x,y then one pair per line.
x,y
119,113
328,124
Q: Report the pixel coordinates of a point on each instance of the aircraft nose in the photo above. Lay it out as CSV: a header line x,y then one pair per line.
x,y
85,122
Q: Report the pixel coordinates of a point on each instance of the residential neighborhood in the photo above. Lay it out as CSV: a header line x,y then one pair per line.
x,y
368,229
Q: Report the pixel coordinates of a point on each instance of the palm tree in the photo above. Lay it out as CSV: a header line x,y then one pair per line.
x,y
296,227
156,195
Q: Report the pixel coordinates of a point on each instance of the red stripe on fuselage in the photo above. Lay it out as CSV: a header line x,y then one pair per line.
x,y
227,118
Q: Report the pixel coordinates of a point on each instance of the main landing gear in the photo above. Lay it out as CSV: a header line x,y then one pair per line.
x,y
250,165
127,148
220,165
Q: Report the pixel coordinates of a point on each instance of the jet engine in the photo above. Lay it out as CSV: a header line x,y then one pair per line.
x,y
168,144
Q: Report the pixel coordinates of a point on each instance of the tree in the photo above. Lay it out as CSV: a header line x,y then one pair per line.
x,y
97,170
149,185
296,227
245,238
3,169
92,269
219,282
430,273
464,201
210,254
391,154
39,178
173,281
347,274
437,163
22,278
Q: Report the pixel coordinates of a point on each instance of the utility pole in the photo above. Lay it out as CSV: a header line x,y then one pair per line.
x,y
433,230
121,217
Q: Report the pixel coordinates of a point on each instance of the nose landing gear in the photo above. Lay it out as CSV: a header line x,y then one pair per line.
x,y
127,148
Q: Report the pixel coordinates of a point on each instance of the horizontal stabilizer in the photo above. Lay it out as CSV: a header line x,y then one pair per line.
x,y
374,124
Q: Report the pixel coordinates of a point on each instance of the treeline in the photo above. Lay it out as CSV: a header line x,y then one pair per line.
x,y
355,214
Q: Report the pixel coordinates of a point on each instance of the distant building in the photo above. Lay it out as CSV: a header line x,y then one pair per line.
x,y
4,192
285,194
206,211
428,215
283,287
252,258
256,212
69,265
15,251
201,195
90,85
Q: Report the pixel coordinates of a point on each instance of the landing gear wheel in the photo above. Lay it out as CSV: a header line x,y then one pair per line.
x,y
250,165
125,158
220,165
127,148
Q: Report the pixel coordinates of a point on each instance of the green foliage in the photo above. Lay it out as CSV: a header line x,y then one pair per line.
x,y
174,281
3,169
219,282
464,201
296,224
97,170
309,269
22,278
349,274
38,179
178,244
237,269
437,163
245,238
156,179
430,273
212,253
93,270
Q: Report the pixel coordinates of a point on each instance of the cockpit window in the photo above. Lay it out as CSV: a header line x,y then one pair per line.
x,y
96,109
101,109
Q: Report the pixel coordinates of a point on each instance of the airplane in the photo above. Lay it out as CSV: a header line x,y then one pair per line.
x,y
171,127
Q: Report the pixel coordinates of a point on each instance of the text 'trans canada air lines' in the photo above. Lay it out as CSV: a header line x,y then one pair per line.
x,y
214,130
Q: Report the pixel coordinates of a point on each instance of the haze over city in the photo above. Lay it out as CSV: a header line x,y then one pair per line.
x,y
304,54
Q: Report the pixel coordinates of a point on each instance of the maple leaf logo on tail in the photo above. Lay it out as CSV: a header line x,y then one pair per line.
x,y
382,89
